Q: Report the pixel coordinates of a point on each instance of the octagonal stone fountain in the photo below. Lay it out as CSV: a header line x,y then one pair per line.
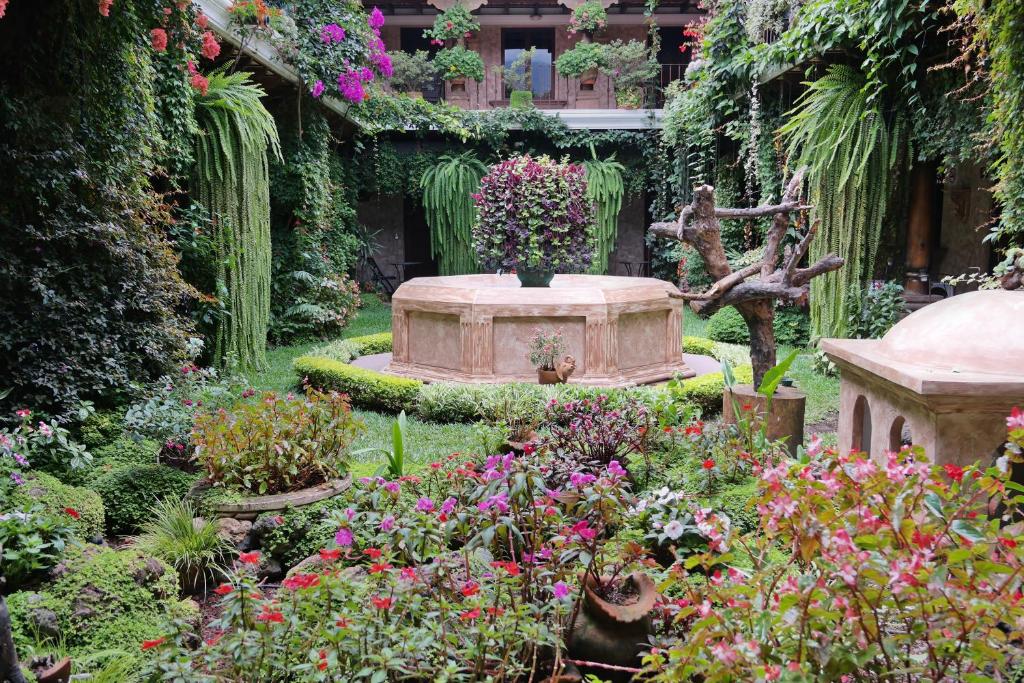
x,y
477,328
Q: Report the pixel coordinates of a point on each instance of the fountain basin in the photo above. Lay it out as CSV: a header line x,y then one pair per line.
x,y
477,328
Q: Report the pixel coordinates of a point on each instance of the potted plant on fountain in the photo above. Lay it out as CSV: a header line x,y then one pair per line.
x,y
411,72
631,67
535,219
546,355
456,62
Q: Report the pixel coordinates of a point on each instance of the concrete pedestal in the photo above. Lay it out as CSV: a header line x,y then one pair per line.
x,y
787,417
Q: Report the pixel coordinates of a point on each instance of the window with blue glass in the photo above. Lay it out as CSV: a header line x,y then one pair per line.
x,y
515,40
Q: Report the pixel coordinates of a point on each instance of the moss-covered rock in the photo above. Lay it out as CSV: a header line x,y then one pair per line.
x,y
57,498
129,493
100,599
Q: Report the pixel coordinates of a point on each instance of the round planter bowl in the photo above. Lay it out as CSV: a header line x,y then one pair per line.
x,y
252,507
549,377
534,278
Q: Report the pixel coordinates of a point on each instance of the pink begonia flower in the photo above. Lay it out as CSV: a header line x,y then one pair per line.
x,y
343,537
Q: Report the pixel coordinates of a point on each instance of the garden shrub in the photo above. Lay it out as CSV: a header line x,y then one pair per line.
x,y
341,350
365,388
32,541
370,344
445,402
130,493
590,434
277,444
700,346
123,451
791,325
57,498
103,599
100,428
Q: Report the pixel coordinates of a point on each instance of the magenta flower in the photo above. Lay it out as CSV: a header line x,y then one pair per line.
x,y
318,89
392,487
615,469
560,590
382,62
350,87
343,537
448,505
16,478
20,459
387,524
332,33
424,504
376,18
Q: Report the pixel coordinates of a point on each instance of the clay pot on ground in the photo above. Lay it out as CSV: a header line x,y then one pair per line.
x,y
549,377
49,671
787,412
614,629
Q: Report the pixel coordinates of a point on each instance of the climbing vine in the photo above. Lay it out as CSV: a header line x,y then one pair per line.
x,y
448,190
231,180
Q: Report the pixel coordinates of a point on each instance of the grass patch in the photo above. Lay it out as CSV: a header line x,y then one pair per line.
x,y
693,324
374,316
425,441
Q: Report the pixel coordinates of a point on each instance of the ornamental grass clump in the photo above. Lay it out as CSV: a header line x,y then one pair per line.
x,y
534,215
278,444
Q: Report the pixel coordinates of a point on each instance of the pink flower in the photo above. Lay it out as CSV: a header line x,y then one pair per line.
x,y
332,33
615,469
424,504
448,505
376,18
104,7
560,590
202,21
343,537
211,48
200,83
318,89
1016,419
158,37
387,524
24,412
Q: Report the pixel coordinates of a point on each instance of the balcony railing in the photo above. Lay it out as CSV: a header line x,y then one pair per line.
x,y
655,91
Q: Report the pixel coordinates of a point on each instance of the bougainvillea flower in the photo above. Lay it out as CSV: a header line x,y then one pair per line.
x,y
158,38
210,48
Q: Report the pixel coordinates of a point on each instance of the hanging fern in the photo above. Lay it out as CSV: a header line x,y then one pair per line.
x,y
451,213
853,153
605,190
231,180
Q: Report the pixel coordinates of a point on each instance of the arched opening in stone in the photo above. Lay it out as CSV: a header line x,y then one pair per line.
x,y
861,425
900,434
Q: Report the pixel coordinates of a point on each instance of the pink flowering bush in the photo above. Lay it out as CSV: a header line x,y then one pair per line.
x,y
895,569
534,214
591,433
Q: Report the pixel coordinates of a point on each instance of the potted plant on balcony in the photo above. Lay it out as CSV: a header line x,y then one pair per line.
x,y
588,18
518,78
584,61
535,219
456,63
630,66
411,72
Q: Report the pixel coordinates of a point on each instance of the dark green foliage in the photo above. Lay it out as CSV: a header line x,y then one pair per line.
x,y
728,326
130,493
33,542
448,189
88,286
101,428
791,326
874,310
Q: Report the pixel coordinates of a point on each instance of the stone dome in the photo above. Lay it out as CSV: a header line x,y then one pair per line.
x,y
979,332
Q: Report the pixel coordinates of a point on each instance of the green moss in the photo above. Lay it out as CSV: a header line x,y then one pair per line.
x,y
735,502
56,497
366,388
104,599
130,492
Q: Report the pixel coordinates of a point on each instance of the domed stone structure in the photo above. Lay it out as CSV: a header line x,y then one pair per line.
x,y
477,328
945,377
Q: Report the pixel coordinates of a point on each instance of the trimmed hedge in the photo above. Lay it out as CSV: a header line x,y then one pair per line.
x,y
706,391
369,344
365,388
130,493
699,346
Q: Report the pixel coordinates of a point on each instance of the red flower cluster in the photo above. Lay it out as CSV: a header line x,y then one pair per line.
x,y
211,48
250,558
149,644
298,581
158,37
381,603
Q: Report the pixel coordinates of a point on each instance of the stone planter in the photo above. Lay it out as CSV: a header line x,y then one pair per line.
x,y
252,507
610,633
787,417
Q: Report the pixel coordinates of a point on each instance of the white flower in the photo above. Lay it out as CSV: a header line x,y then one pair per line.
x,y
674,529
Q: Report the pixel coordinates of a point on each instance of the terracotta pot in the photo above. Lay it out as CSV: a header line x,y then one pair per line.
x,y
609,633
588,78
548,377
58,673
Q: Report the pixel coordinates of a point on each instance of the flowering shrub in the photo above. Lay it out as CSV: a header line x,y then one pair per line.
x,y
534,214
896,568
36,443
589,17
277,444
546,349
455,23
674,527
591,433
32,542
459,62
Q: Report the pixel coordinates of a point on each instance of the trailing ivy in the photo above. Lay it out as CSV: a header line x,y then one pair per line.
x,y
605,190
853,153
231,179
448,190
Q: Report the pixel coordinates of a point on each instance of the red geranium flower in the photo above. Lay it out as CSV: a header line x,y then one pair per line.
x,y
73,513
372,553
380,567
709,464
298,581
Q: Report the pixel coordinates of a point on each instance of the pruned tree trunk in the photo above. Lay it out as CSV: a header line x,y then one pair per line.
x,y
699,226
9,668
